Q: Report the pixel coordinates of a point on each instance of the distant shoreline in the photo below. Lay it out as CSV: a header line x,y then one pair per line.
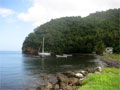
x,y
110,62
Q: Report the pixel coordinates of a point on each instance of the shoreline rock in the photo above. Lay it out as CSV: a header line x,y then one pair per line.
x,y
110,62
29,50
69,80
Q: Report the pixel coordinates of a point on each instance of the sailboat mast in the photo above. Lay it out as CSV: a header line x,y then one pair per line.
x,y
43,46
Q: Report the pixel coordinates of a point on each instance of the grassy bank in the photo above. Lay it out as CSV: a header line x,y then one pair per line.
x,y
114,56
109,79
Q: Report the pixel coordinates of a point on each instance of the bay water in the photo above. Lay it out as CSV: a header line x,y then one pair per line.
x,y
19,71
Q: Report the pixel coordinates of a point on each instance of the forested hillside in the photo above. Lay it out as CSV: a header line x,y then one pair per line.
x,y
76,34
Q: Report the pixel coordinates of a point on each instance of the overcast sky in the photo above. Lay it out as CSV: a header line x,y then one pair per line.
x,y
19,17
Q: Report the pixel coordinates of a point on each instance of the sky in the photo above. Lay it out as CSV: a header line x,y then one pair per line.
x,y
19,17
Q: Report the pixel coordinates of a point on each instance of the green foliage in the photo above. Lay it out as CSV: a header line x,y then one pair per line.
x,y
78,35
107,80
99,47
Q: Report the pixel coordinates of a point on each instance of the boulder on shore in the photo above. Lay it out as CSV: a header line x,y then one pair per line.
x,y
69,80
47,86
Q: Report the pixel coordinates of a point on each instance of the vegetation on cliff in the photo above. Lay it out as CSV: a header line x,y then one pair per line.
x,y
77,34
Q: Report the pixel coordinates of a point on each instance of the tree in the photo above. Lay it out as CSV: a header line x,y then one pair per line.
x,y
78,35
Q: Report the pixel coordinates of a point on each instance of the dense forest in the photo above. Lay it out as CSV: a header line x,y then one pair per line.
x,y
77,35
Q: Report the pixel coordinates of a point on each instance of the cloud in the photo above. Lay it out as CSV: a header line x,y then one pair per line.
x,y
6,12
45,10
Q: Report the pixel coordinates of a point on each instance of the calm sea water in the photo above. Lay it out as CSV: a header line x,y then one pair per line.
x,y
19,71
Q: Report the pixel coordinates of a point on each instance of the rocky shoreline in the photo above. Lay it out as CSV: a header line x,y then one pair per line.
x,y
110,62
69,80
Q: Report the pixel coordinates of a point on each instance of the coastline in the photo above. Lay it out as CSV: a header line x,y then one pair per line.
x,y
108,79
72,80
110,62
69,80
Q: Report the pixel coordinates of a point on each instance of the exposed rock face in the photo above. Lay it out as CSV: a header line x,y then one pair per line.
x,y
47,86
69,74
84,72
56,87
46,78
29,50
62,78
69,80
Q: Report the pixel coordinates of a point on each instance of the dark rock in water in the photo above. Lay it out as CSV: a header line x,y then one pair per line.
x,y
67,87
41,87
56,87
73,80
68,80
69,74
84,72
90,70
93,70
46,78
62,85
47,86
62,78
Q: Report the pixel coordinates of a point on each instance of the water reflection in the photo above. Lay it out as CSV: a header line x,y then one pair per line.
x,y
19,71
51,64
42,63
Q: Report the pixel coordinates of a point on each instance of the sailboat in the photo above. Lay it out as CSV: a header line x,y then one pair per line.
x,y
43,53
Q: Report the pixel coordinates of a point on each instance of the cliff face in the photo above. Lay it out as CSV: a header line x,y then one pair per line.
x,y
29,50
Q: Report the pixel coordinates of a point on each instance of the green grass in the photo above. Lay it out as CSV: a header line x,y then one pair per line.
x,y
114,56
109,79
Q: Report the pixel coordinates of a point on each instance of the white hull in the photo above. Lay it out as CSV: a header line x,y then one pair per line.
x,y
67,55
44,54
61,56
